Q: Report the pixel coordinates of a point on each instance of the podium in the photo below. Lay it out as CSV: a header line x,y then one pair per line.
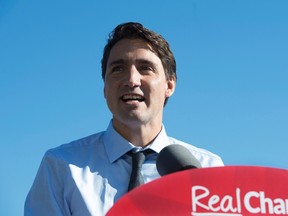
x,y
225,191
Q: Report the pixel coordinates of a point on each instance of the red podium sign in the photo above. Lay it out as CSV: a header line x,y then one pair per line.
x,y
231,190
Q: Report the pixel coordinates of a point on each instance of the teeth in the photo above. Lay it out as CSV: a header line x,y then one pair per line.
x,y
132,97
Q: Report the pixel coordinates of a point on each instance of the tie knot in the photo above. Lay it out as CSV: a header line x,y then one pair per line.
x,y
138,158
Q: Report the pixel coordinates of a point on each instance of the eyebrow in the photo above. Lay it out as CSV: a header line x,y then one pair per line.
x,y
117,62
122,61
145,61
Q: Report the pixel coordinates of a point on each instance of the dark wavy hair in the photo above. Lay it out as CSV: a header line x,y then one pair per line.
x,y
132,30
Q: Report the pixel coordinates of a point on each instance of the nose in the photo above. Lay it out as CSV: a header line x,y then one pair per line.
x,y
134,77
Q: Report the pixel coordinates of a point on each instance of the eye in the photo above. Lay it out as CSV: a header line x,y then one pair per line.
x,y
117,69
145,68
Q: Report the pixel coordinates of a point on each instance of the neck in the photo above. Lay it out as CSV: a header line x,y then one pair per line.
x,y
139,135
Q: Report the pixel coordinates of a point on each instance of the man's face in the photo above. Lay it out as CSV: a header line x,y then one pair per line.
x,y
135,85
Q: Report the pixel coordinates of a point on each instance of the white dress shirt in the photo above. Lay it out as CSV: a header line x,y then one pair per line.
x,y
87,176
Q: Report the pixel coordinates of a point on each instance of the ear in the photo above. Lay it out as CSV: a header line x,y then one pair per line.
x,y
170,88
104,92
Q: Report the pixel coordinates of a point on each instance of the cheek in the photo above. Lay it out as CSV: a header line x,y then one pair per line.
x,y
108,90
159,88
108,87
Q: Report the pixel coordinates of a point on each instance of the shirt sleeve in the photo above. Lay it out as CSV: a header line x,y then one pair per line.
x,y
46,196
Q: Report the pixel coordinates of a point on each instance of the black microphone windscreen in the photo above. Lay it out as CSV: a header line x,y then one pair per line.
x,y
174,158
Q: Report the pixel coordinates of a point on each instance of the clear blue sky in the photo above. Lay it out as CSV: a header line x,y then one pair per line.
x,y
231,96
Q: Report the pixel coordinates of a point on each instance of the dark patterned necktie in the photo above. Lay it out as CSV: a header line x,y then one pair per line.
x,y
136,178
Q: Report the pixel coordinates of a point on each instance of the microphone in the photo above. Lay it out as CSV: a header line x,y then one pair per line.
x,y
174,158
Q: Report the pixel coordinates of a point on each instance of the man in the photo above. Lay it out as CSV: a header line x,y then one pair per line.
x,y
87,176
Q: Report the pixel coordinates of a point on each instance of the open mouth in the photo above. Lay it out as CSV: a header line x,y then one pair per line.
x,y
132,97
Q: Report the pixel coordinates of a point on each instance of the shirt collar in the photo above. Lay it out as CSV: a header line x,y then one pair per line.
x,y
160,141
116,145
